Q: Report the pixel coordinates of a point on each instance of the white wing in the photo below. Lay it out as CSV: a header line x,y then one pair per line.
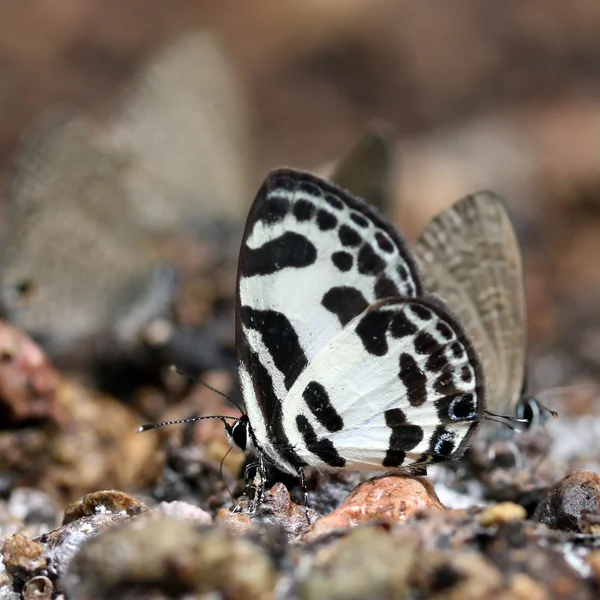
x,y
313,257
400,386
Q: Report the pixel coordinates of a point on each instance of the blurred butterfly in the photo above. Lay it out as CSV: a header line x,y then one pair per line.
x,y
73,264
182,123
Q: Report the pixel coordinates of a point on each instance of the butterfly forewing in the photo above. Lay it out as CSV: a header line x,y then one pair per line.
x,y
313,257
400,385
469,255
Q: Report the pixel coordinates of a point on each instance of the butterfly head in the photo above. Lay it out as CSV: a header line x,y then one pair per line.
x,y
239,434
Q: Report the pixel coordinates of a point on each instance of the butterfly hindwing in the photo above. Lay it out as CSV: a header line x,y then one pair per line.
x,y
313,257
400,385
470,256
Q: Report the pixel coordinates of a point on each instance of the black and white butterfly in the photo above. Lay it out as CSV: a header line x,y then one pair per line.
x,y
344,362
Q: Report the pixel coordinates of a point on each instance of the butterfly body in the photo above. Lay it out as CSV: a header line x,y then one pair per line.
x,y
343,362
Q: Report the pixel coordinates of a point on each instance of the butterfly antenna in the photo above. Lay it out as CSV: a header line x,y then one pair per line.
x,y
505,420
183,373
180,421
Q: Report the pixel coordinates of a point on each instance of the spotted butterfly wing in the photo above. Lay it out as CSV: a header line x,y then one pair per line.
x,y
341,362
470,256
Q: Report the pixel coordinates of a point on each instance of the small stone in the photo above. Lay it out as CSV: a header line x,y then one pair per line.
x,y
366,563
28,382
594,562
22,557
161,555
112,501
38,588
562,506
236,521
589,522
523,587
504,512
456,574
392,498
184,510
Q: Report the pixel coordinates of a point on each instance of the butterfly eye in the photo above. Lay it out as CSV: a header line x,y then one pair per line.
x,y
24,289
239,435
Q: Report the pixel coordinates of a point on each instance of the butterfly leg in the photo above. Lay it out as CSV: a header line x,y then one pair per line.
x,y
302,476
261,474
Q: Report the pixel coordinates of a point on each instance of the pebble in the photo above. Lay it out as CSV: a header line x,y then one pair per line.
x,y
390,498
562,506
160,555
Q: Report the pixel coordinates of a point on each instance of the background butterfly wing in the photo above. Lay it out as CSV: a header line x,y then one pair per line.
x,y
470,256
313,257
368,169
71,256
400,385
183,122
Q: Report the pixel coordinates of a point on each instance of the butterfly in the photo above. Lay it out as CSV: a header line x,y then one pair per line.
x,y
344,361
182,123
73,264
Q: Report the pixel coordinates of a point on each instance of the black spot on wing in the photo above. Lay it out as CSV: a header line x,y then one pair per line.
x,y
342,260
384,242
458,407
457,350
444,384
444,330
414,380
437,361
402,326
280,339
334,201
291,250
303,210
309,188
372,331
422,312
325,220
318,401
403,273
369,262
442,442
348,236
404,437
425,343
322,448
385,288
466,374
359,219
344,302
281,181
273,210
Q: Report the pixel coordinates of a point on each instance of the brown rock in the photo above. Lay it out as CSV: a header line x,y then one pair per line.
x,y
28,382
105,501
168,554
392,498
366,563
562,506
22,557
456,574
